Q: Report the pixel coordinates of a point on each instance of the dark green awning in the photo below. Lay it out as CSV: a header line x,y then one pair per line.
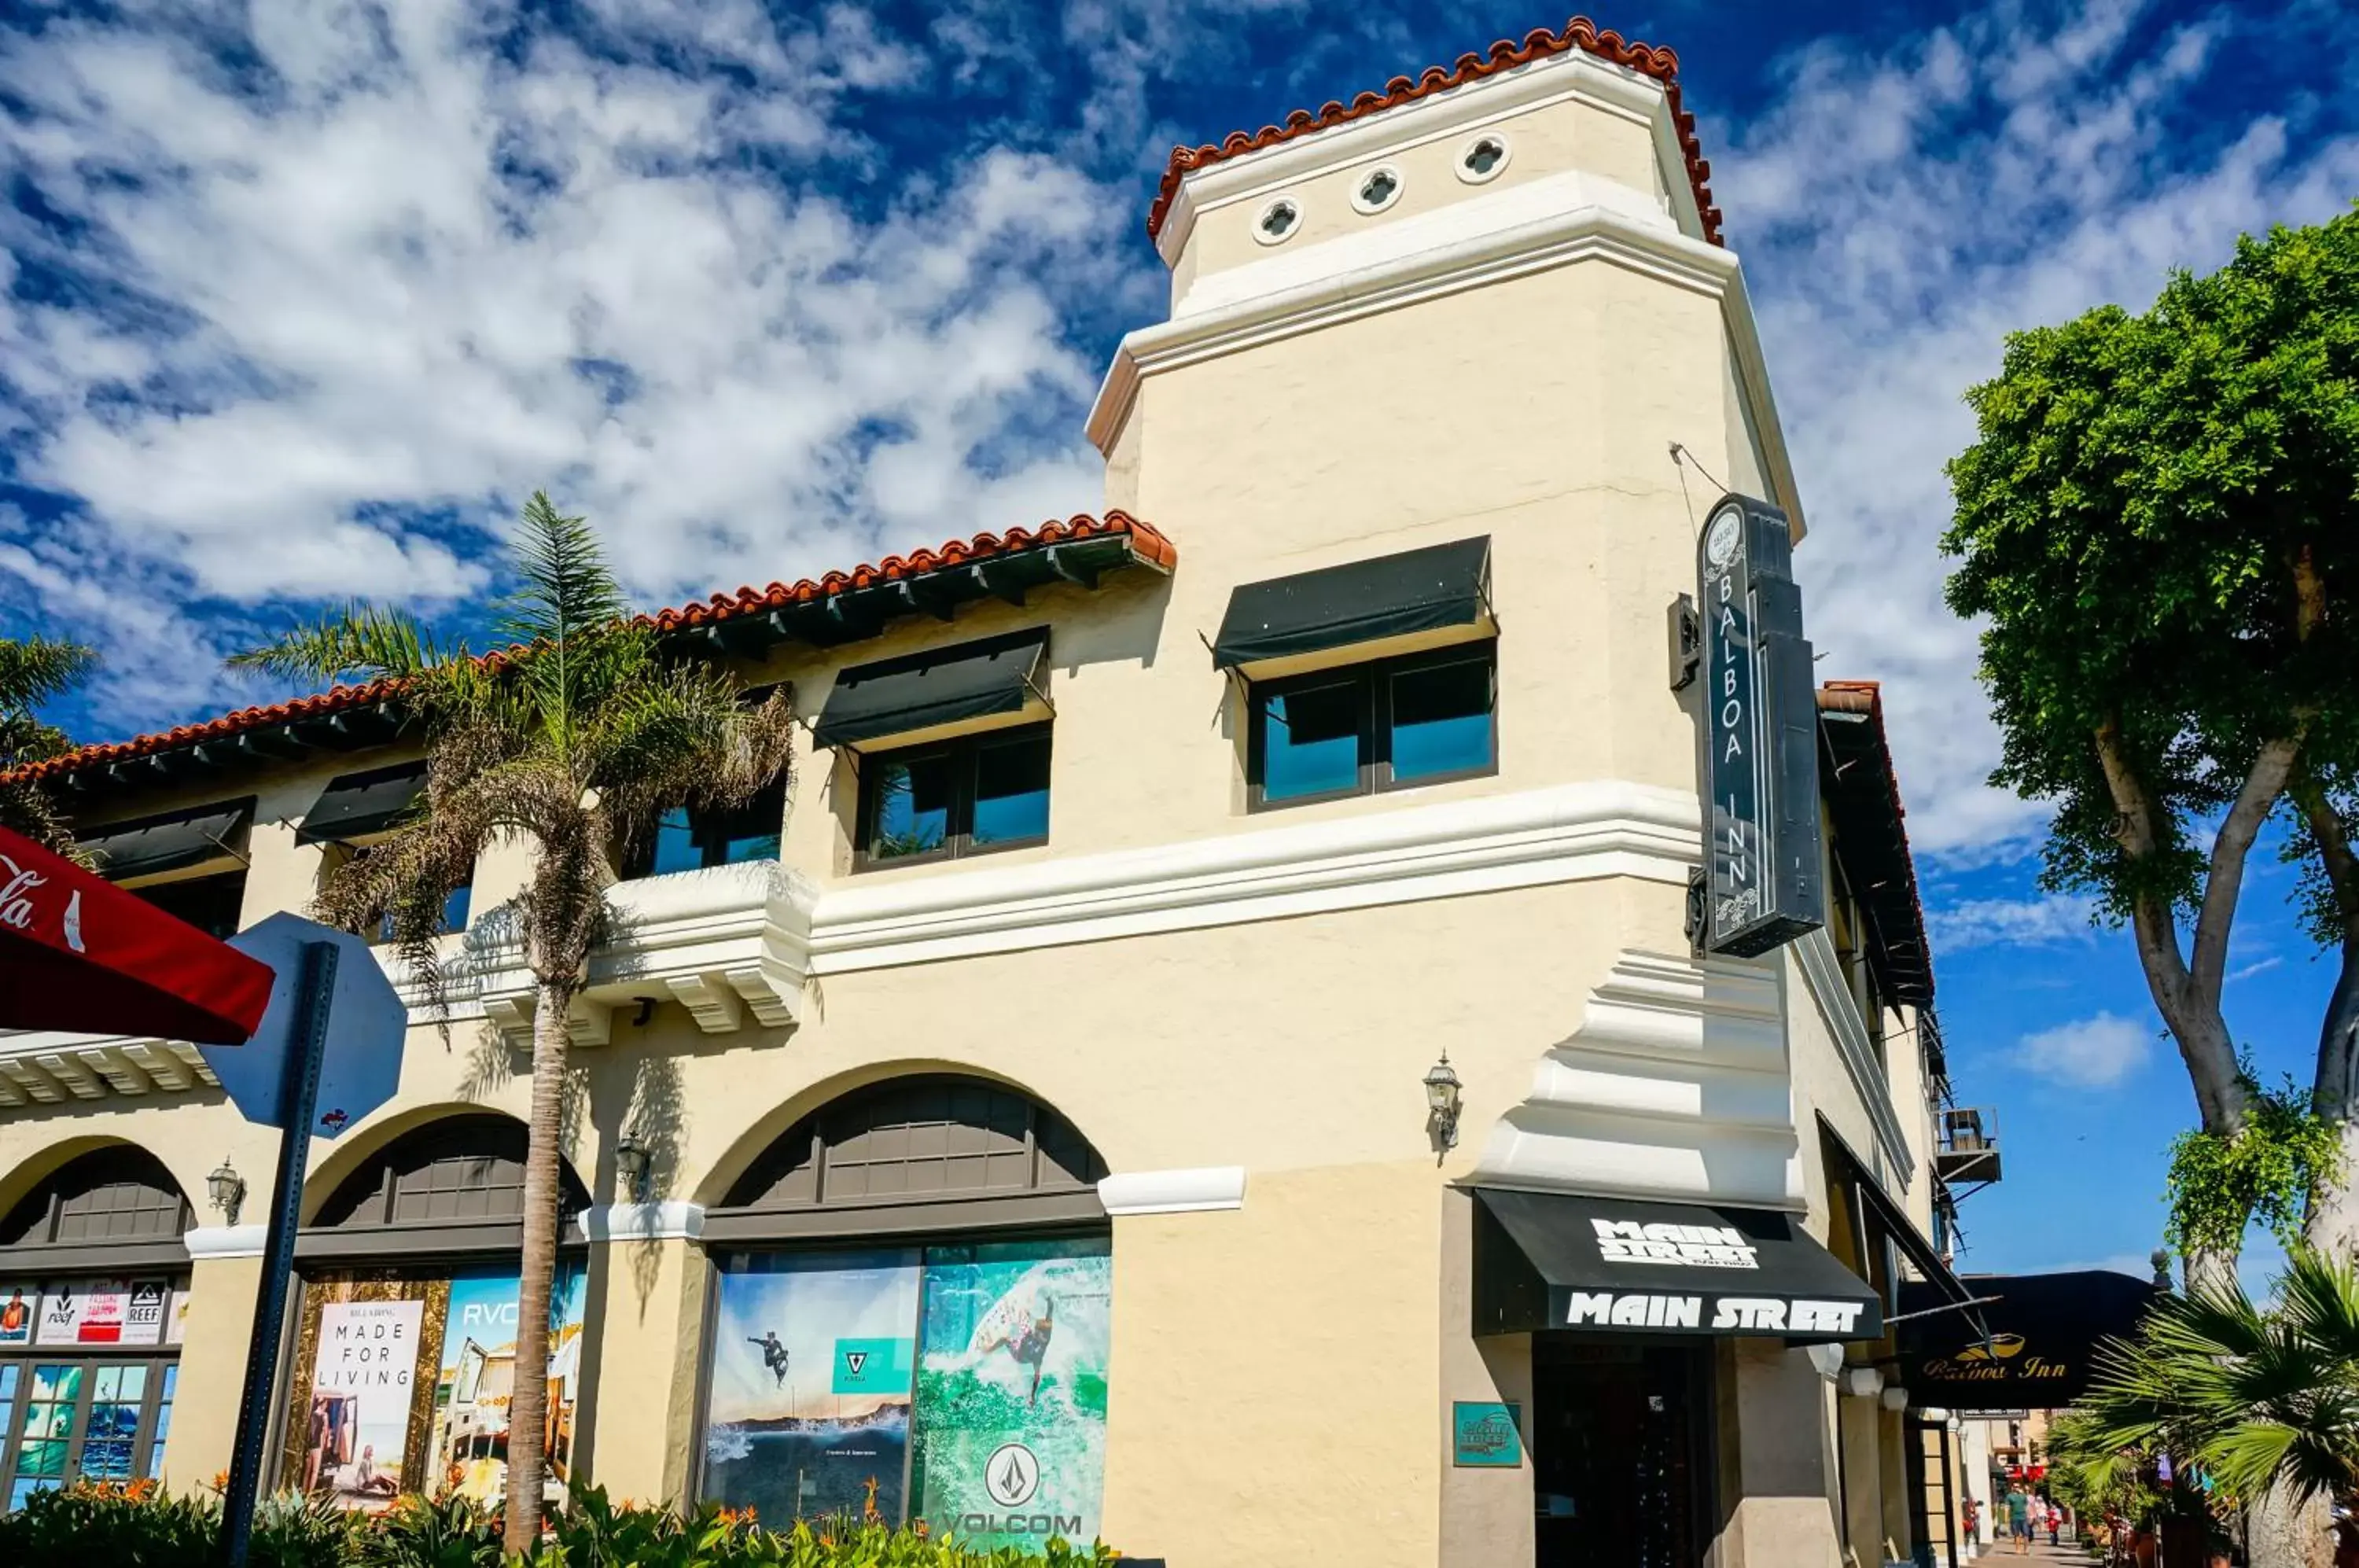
x,y
940,686
148,847
356,805
1433,589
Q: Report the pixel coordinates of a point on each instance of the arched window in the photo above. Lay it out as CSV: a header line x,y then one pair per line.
x,y
453,1185
918,1154
114,1207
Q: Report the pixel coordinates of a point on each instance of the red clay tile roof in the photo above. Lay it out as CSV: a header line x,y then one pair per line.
x,y
1146,543
1581,33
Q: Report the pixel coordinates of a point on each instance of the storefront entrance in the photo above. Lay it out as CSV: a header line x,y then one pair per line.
x,y
1621,1440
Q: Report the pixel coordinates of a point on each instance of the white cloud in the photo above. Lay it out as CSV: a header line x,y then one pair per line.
x,y
363,309
2088,1053
2008,922
1899,211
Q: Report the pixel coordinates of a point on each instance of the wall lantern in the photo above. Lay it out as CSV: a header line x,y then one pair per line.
x,y
1442,1104
2160,1260
631,1168
227,1189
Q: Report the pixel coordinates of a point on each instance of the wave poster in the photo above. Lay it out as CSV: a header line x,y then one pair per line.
x,y
1011,1400
809,1413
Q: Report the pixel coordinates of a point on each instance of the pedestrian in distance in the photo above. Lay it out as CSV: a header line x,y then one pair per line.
x,y
2019,1520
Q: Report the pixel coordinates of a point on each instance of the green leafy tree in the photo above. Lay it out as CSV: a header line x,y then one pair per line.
x,y
2157,525
577,736
33,672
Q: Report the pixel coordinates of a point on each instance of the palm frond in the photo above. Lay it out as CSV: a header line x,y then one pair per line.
x,y
567,588
35,669
361,640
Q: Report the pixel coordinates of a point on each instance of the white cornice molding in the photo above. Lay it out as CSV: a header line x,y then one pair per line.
x,y
1573,76
735,943
1568,833
672,1220
1179,1192
1821,970
225,1241
1675,1085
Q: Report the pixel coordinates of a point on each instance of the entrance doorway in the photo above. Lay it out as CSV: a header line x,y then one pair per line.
x,y
1621,1452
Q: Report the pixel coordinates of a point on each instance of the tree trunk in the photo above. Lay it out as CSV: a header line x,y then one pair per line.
x,y
537,1271
2282,1533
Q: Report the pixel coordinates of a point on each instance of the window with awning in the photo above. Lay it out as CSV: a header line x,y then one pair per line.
x,y
355,806
1555,1260
1431,592
173,841
928,694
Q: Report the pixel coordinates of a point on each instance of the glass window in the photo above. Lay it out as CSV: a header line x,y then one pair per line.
x,y
163,1420
1382,726
1011,791
48,1431
116,1395
692,838
209,903
984,792
1311,740
911,814
454,914
1442,719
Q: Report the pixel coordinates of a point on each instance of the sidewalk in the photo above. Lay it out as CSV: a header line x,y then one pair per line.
x,y
2067,1553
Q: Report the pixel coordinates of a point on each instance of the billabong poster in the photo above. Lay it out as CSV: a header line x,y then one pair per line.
x,y
810,1412
363,1378
1011,1400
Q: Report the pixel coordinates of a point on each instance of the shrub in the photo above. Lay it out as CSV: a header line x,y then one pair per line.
x,y
138,1527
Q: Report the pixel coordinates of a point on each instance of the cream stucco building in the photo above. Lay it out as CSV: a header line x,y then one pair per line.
x,y
1021,1120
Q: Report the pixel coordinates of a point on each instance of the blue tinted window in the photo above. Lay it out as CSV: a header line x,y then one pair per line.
x,y
1442,719
676,848
688,838
1011,790
1311,740
455,907
910,813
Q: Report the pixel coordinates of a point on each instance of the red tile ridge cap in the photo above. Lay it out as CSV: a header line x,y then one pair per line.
x,y
1146,541
1579,33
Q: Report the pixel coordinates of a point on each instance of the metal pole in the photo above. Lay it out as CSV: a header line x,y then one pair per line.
x,y
298,1093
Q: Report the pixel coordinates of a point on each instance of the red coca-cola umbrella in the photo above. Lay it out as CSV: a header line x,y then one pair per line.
x,y
80,954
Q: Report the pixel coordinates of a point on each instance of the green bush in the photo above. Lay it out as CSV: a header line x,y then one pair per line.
x,y
138,1527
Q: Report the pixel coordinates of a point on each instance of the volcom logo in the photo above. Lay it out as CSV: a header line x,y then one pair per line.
x,y
853,1360
1011,1474
1701,1246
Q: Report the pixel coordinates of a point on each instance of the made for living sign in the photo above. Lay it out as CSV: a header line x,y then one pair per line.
x,y
363,1378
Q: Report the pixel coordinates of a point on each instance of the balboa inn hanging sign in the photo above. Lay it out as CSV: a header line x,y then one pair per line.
x,y
1761,886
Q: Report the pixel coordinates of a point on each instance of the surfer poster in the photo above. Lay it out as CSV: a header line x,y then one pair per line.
x,y
809,1413
1011,1399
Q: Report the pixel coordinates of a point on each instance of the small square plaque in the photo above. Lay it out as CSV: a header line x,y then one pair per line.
x,y
1486,1433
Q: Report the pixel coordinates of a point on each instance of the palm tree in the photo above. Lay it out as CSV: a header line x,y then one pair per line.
x,y
577,734
35,671
2264,1401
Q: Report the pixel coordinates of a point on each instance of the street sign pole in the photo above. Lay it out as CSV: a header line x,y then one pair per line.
x,y
298,1090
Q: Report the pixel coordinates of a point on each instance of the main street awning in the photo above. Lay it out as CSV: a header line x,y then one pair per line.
x,y
967,681
356,805
2043,1331
1438,588
172,842
79,953
1549,1260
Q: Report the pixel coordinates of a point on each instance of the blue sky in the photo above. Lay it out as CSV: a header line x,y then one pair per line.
x,y
302,296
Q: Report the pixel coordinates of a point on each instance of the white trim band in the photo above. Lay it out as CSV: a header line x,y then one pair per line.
x,y
1181,1191
672,1220
225,1241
